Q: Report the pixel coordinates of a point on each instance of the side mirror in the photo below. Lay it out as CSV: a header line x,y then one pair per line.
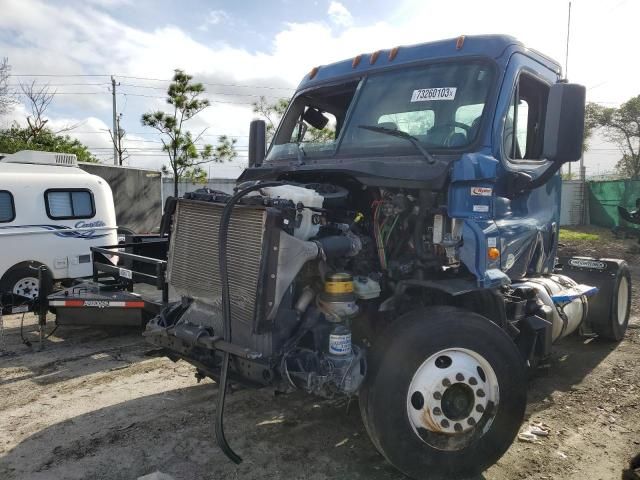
x,y
563,132
315,118
564,123
257,142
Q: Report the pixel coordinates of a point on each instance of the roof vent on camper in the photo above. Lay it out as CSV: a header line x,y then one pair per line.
x,y
42,158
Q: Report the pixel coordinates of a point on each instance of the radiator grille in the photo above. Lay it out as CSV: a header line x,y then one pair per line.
x,y
193,268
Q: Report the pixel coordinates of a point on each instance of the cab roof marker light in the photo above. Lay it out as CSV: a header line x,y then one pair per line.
x,y
374,57
356,61
393,53
313,72
460,42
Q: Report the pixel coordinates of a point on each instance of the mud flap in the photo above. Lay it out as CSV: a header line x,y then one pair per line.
x,y
600,273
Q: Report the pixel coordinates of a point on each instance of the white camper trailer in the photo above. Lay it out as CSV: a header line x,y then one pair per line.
x,y
51,213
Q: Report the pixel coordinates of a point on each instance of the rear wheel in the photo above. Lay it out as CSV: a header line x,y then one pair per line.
x,y
23,282
445,393
614,327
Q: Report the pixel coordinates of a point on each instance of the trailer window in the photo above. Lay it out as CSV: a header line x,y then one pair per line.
x,y
69,204
7,208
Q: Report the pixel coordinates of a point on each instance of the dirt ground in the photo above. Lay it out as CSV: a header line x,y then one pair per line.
x,y
92,405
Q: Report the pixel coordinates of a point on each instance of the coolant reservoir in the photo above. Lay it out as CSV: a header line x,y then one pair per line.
x,y
307,220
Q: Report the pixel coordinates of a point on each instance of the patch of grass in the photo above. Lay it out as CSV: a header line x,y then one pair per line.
x,y
575,236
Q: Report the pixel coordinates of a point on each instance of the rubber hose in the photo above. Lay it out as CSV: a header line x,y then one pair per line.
x,y
223,230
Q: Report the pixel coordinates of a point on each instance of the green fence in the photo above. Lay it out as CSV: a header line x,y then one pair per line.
x,y
604,198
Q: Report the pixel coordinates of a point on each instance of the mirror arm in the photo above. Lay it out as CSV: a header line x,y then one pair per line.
x,y
543,178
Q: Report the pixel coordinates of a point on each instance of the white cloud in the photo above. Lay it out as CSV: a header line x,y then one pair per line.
x,y
215,17
339,14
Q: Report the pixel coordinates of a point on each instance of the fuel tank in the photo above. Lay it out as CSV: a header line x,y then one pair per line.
x,y
566,316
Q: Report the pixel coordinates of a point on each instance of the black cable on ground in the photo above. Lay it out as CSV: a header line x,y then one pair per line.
x,y
24,340
223,230
32,302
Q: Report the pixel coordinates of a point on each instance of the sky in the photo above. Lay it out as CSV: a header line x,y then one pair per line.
x,y
242,50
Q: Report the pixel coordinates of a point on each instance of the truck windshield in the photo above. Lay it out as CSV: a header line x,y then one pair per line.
x,y
440,105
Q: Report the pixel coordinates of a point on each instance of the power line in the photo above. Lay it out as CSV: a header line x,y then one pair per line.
x,y
241,85
266,87
106,84
134,95
57,75
159,133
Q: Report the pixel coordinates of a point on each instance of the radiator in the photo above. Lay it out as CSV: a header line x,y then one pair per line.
x,y
193,270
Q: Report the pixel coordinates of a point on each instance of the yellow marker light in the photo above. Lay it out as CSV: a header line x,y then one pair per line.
x,y
313,72
493,253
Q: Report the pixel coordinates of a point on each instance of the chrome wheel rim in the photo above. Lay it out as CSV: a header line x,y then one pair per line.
x,y
452,398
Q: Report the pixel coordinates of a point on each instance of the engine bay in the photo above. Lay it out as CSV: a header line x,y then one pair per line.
x,y
344,251
316,271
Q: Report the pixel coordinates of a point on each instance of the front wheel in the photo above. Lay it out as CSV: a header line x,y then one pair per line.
x,y
445,393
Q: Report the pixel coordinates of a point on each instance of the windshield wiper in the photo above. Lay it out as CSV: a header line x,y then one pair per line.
x,y
400,134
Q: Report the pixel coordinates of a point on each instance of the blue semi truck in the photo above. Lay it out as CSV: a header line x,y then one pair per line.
x,y
398,241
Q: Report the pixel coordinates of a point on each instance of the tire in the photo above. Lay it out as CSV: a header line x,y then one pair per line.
x,y
615,325
407,359
23,281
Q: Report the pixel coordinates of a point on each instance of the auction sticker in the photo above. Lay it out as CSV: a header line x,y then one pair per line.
x,y
481,191
430,94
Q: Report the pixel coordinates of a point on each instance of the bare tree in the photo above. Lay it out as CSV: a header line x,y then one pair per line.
x,y
39,97
7,100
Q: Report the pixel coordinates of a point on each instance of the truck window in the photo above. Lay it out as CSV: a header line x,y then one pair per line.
x,y
429,94
421,100
413,123
7,208
524,125
313,121
69,204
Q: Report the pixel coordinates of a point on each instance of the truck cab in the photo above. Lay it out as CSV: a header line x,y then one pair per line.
x,y
397,241
478,104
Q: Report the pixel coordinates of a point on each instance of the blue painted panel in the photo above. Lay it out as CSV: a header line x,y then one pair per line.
x,y
524,228
529,222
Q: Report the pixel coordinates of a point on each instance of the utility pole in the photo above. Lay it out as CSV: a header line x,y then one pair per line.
x,y
116,129
119,139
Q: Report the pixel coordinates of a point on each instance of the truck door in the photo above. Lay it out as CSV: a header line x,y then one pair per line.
x,y
530,220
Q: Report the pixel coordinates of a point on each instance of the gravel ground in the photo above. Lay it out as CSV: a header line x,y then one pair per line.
x,y
92,405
